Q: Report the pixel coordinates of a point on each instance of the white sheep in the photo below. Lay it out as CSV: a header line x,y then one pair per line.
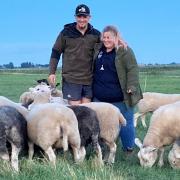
x,y
51,125
27,97
174,155
110,119
164,129
150,102
55,92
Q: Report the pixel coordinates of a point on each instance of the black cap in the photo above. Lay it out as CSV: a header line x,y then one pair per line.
x,y
82,9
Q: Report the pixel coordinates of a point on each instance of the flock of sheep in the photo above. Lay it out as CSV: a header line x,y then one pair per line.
x,y
52,124
44,118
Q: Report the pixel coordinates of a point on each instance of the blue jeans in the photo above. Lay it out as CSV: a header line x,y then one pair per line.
x,y
127,133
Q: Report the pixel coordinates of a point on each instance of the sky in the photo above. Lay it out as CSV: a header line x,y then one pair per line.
x,y
29,28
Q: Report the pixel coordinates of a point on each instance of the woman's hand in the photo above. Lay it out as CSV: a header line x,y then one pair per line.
x,y
119,42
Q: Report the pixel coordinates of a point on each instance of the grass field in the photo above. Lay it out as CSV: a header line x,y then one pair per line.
x,y
13,83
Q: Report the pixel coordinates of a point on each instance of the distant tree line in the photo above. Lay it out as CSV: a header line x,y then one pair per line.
x,y
10,65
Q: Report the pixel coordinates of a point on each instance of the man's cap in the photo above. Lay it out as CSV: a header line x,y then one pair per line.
x,y
82,9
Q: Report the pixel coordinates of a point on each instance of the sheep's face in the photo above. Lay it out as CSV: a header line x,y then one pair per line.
x,y
147,156
174,157
40,88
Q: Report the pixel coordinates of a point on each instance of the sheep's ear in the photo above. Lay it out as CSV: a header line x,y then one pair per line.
x,y
138,142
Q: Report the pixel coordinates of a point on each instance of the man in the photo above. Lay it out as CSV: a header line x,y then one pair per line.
x,y
76,42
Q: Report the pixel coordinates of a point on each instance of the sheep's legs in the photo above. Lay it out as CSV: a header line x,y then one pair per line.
x,y
136,116
110,158
78,153
99,154
14,157
51,155
31,150
161,161
143,120
3,149
97,149
112,153
82,153
65,142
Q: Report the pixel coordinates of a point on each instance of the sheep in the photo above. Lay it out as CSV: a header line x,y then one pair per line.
x,y
164,129
89,129
44,87
63,127
13,129
174,155
55,92
152,101
45,95
50,124
27,97
110,119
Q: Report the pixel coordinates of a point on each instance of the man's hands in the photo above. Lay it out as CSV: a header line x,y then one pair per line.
x,y
52,79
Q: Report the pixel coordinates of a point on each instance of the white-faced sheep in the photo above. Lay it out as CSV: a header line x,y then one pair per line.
x,y
110,121
27,97
89,129
48,124
152,101
13,129
164,129
54,91
174,155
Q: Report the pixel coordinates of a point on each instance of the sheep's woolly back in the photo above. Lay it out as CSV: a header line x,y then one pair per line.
x,y
47,122
152,100
7,102
109,118
164,126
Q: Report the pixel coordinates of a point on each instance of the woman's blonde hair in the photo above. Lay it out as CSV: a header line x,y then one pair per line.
x,y
115,32
111,29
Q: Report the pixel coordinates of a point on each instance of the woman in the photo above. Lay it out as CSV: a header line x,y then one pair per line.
x,y
116,80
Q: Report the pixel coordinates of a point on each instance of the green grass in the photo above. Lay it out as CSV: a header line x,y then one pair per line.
x,y
12,84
